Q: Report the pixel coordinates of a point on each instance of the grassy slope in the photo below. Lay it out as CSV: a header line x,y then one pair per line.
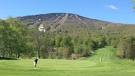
x,y
105,55
90,67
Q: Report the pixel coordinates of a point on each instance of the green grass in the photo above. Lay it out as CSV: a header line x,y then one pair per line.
x,y
90,67
105,55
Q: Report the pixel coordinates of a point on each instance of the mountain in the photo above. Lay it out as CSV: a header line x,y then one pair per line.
x,y
68,21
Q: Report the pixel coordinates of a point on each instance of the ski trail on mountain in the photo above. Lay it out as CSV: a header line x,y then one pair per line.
x,y
56,20
80,20
62,21
57,23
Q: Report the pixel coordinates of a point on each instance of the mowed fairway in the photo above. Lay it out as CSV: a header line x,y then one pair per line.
x,y
50,67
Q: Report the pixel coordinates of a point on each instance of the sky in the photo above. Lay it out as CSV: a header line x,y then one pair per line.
x,y
118,11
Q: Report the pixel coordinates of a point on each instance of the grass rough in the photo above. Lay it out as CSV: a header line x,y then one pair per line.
x,y
110,66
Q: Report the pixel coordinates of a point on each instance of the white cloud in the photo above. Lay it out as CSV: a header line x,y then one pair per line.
x,y
113,7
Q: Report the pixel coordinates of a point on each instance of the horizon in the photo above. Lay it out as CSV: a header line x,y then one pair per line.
x,y
116,11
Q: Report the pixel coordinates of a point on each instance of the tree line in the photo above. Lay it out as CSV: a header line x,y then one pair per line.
x,y
19,41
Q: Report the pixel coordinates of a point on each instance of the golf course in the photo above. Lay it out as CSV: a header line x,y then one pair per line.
x,y
67,38
93,66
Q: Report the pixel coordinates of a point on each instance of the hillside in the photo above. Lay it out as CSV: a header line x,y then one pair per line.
x,y
70,34
65,35
67,22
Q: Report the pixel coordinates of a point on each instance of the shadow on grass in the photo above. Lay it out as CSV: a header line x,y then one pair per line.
x,y
5,58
